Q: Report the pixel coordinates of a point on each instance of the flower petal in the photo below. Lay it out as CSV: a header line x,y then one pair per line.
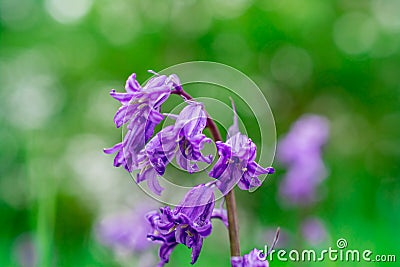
x,y
132,84
221,214
165,253
153,184
113,149
124,98
234,129
196,250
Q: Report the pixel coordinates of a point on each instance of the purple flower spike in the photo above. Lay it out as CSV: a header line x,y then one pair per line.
x,y
253,259
190,123
188,223
301,151
236,163
305,139
140,110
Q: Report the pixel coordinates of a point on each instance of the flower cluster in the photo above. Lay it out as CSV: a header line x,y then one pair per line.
x,y
141,112
148,153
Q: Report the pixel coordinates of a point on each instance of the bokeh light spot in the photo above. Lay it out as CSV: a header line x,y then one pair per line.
x,y
355,33
387,12
229,9
68,11
18,15
291,65
118,22
191,19
239,54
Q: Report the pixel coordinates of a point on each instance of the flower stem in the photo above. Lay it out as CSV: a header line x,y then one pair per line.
x,y
233,225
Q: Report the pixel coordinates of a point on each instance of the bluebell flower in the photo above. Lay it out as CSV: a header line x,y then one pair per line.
x,y
190,124
236,164
140,110
153,159
188,223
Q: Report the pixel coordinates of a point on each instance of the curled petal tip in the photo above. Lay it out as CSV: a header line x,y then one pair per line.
x,y
270,170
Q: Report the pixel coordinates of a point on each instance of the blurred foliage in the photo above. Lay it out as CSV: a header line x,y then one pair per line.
x,y
59,59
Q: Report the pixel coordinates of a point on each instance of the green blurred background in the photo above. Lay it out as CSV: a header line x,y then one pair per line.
x,y
59,59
